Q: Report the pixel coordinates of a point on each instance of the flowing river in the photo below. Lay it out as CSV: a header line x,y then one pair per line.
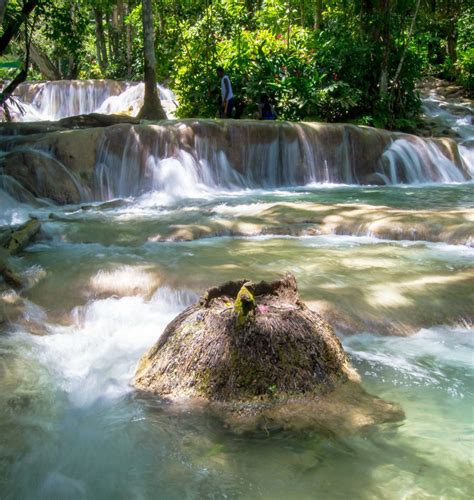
x,y
392,267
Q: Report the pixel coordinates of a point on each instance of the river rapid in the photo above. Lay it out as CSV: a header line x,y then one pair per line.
x,y
391,267
107,278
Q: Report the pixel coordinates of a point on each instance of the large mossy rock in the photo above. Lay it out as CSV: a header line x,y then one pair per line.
x,y
260,357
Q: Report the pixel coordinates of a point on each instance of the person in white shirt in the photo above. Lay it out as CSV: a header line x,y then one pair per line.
x,y
227,95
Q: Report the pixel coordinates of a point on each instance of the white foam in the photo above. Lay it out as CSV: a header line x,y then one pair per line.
x,y
427,357
96,357
12,211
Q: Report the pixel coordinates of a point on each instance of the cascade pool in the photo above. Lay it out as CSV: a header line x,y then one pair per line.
x,y
107,277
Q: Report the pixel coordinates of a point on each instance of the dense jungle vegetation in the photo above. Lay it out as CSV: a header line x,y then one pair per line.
x,y
330,60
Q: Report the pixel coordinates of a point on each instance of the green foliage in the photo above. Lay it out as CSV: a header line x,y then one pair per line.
x,y
465,49
337,100
334,73
465,68
68,25
442,22
330,75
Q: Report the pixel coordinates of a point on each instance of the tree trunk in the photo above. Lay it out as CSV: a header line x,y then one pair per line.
x,y
14,26
128,41
115,35
73,63
451,41
410,33
100,42
10,88
451,35
318,14
109,37
73,68
44,63
3,5
385,18
366,14
151,109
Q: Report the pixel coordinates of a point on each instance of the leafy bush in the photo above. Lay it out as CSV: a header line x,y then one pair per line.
x,y
337,100
465,49
465,68
328,75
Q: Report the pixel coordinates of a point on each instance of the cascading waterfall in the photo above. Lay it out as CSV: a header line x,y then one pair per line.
x,y
455,116
31,173
61,99
161,158
467,156
193,157
419,161
185,158
131,100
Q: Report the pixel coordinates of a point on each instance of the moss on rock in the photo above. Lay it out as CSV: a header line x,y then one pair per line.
x,y
244,303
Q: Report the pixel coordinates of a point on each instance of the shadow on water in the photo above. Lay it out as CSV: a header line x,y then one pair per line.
x,y
360,284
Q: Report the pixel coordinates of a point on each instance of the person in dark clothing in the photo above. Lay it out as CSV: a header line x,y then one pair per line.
x,y
239,107
266,111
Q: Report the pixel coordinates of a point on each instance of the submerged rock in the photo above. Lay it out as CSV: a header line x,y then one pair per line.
x,y
260,358
12,241
20,237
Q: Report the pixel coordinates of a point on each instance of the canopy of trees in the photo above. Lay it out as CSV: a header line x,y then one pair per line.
x,y
319,59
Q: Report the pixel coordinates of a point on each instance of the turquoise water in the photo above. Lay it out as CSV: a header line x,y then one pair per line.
x,y
103,286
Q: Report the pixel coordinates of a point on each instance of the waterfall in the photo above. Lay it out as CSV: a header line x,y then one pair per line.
x,y
34,175
191,158
59,99
419,161
450,114
467,156
183,159
130,101
55,100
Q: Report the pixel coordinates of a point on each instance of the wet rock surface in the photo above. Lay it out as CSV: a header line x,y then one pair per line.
x,y
311,219
12,241
261,359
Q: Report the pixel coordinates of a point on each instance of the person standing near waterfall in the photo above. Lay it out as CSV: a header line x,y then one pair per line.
x,y
227,95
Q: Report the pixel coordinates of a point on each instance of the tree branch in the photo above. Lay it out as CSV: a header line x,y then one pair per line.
x,y
410,33
14,26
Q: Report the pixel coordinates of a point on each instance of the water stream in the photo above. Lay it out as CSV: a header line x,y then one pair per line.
x,y
391,266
